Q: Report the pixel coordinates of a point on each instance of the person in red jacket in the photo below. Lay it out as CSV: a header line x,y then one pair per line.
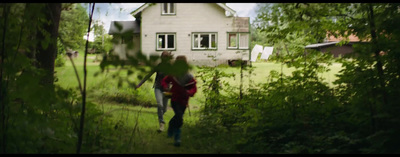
x,y
183,87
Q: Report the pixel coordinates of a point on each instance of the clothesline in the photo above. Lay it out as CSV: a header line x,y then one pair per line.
x,y
265,53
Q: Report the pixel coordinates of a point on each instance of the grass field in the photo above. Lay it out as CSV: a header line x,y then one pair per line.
x,y
144,117
104,82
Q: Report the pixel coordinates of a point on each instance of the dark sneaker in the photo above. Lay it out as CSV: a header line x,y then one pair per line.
x,y
169,136
177,133
177,143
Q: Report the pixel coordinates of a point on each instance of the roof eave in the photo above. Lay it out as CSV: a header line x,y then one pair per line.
x,y
144,6
319,45
230,10
140,9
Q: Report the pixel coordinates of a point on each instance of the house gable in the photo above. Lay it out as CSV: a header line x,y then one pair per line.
x,y
188,26
137,12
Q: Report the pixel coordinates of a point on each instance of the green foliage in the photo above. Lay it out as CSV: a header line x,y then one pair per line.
x,y
212,85
287,113
36,118
301,102
102,44
102,41
73,26
98,29
300,113
291,26
60,60
364,98
122,95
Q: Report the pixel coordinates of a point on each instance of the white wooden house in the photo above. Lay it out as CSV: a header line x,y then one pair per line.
x,y
200,31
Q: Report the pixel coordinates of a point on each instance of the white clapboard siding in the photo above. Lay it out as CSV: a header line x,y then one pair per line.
x,y
190,17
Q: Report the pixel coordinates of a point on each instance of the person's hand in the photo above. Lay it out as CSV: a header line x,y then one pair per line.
x,y
187,93
167,94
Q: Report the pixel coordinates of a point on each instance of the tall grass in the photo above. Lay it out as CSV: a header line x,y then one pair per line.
x,y
135,109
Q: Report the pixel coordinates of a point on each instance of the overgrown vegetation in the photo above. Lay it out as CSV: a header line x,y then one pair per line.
x,y
37,116
299,112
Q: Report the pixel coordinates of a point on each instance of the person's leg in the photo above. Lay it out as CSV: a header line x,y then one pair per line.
x,y
172,122
177,137
177,121
165,104
179,111
170,131
160,106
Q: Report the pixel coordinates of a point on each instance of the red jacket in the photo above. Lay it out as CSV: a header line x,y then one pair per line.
x,y
182,88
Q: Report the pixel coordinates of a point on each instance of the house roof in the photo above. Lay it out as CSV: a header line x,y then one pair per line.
x,y
222,5
126,26
241,24
230,10
311,46
352,38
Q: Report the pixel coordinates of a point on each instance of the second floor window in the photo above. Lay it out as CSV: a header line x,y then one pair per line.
x,y
204,40
168,9
166,41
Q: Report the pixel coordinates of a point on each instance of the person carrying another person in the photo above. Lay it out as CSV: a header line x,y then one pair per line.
x,y
183,87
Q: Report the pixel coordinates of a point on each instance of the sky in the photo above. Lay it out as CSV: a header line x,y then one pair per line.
x,y
107,12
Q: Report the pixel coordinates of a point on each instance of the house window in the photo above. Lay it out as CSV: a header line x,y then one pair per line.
x,y
204,41
166,41
168,9
238,40
232,40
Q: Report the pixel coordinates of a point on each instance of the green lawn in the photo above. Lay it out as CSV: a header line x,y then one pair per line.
x,y
104,82
145,118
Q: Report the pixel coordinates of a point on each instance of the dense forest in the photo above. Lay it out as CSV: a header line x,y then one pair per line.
x,y
287,113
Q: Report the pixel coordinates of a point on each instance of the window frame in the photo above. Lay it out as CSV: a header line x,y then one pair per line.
x,y
229,43
238,41
168,13
166,43
210,34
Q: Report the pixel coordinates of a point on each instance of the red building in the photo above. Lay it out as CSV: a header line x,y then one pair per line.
x,y
330,45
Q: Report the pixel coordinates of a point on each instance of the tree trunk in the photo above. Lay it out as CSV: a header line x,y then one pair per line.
x,y
3,90
46,54
376,49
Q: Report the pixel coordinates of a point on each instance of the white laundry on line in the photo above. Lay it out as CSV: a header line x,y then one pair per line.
x,y
266,52
254,53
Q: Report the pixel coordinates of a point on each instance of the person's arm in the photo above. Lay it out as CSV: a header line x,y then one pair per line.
x,y
192,88
165,82
145,78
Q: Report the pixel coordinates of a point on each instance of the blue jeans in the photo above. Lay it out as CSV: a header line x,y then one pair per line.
x,y
162,103
176,122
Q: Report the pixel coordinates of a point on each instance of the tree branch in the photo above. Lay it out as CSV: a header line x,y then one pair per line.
x,y
84,86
